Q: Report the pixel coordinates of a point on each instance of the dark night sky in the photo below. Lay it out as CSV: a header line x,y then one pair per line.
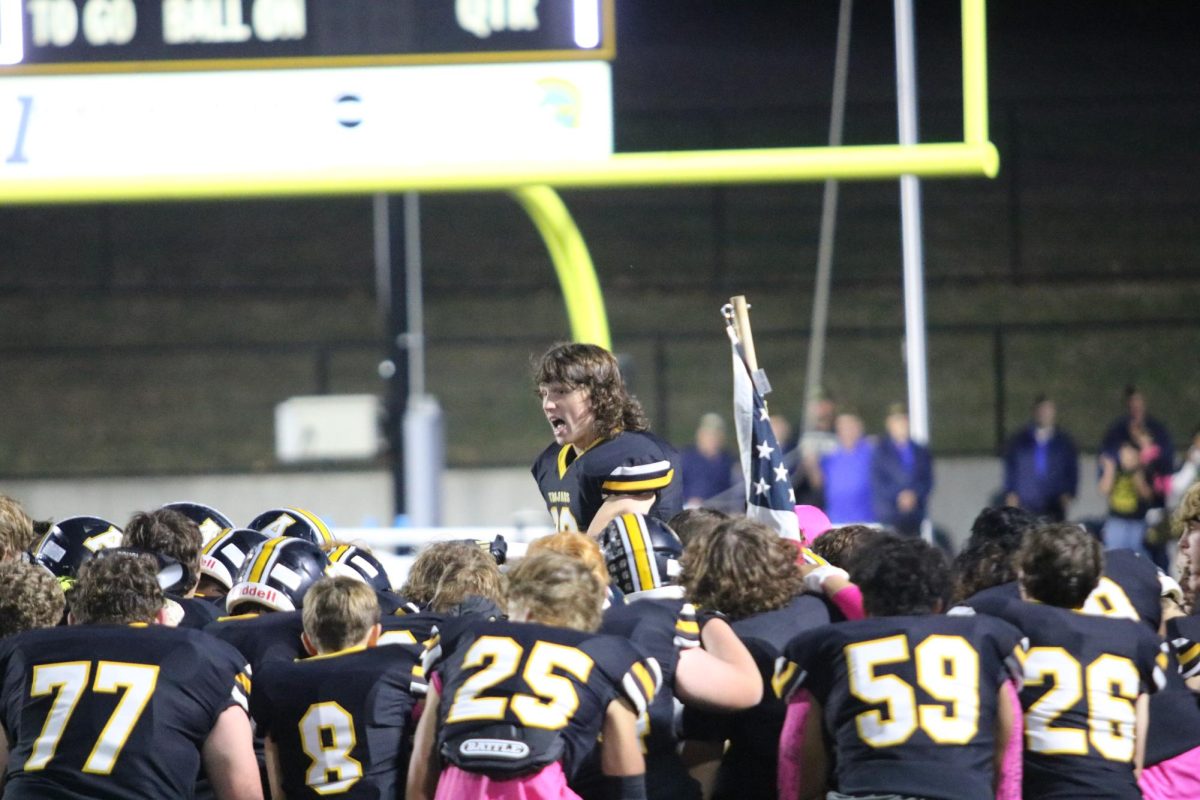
x,y
744,52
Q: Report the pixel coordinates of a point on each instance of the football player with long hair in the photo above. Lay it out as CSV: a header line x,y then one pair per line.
x,y
603,461
744,571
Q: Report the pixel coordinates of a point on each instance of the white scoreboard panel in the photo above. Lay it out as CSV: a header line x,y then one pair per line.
x,y
300,122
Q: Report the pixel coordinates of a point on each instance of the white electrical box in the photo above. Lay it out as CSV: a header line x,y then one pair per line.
x,y
327,427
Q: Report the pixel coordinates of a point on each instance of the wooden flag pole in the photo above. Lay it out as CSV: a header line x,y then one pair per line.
x,y
741,316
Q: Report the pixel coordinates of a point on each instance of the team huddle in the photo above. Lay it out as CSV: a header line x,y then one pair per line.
x,y
642,651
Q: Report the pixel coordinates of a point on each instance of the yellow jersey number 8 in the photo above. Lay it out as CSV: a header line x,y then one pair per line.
x,y
327,737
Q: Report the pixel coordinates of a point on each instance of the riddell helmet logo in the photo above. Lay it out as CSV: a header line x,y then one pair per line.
x,y
265,594
493,748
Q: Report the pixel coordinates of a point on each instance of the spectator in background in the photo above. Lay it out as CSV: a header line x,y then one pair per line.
x,y
1124,482
1156,452
784,432
901,476
845,473
707,466
817,441
1137,426
1041,465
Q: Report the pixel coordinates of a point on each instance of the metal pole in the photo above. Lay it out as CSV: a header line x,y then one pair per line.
x,y
820,314
910,226
393,306
415,294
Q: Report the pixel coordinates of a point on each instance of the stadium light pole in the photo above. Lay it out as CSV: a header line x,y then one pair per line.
x,y
910,227
910,232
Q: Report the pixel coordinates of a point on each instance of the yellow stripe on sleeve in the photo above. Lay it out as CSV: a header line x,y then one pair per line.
x,y
645,679
649,484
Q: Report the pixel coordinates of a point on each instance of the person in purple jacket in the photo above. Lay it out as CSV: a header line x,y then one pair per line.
x,y
846,473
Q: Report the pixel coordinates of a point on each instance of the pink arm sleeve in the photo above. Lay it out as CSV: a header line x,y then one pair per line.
x,y
791,746
849,601
1009,785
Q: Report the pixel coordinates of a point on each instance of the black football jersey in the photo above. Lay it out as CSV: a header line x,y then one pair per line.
x,y
751,761
518,696
574,487
908,701
1129,589
262,637
342,722
1083,674
660,628
1174,718
197,612
389,602
109,711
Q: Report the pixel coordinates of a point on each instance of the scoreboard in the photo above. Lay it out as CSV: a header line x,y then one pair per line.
x,y
61,36
97,96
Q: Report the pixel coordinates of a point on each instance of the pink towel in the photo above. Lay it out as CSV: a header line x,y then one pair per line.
x,y
547,784
1176,778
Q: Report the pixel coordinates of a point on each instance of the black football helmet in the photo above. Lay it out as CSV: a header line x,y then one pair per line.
x,y
359,562
641,553
223,555
72,541
294,522
210,521
277,574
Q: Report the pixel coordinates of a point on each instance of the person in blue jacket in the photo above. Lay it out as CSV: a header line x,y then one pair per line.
x,y
1041,465
901,476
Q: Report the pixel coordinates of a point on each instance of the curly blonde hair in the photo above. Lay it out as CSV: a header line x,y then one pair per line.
x,y
553,589
30,597
574,545
16,528
740,568
116,589
1187,511
445,573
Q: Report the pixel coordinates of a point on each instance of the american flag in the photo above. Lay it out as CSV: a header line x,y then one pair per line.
x,y
769,495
